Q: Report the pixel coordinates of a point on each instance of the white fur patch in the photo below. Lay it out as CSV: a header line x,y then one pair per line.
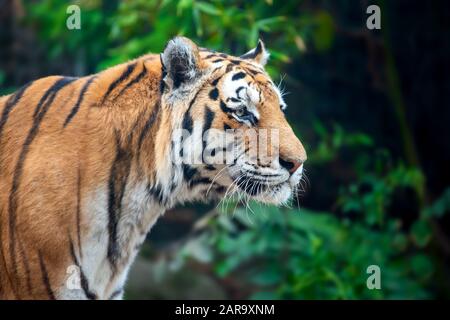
x,y
249,97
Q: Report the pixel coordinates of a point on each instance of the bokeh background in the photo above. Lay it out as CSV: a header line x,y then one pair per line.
x,y
372,108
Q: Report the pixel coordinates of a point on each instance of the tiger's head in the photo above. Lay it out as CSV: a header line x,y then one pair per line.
x,y
231,135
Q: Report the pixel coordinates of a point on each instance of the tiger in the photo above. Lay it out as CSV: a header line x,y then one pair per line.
x,y
88,164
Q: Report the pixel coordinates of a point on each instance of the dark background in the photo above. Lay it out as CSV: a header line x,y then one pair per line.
x,y
371,107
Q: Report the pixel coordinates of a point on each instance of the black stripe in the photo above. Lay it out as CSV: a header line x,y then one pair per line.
x,y
225,108
45,278
226,127
212,152
43,106
253,72
120,170
181,149
155,116
50,95
26,264
77,105
133,128
188,172
43,100
215,81
156,192
125,74
78,213
10,103
115,294
173,185
214,94
187,119
187,124
238,76
207,122
208,119
134,80
229,67
83,280
233,99
150,121
201,180
239,90
162,84
220,189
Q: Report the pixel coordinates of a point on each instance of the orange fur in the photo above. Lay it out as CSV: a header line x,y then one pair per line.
x,y
57,147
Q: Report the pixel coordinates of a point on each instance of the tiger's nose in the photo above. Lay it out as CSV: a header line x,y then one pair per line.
x,y
290,165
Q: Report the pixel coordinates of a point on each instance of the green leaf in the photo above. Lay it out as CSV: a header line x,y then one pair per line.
x,y
197,21
269,276
265,24
439,207
323,34
207,8
280,56
182,5
422,265
421,233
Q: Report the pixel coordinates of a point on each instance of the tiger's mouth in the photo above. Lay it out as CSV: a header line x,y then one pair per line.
x,y
252,187
262,190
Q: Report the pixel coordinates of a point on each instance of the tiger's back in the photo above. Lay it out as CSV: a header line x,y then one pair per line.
x,y
49,156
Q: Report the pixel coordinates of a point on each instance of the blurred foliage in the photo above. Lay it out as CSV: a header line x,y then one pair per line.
x,y
302,254
291,254
133,28
278,252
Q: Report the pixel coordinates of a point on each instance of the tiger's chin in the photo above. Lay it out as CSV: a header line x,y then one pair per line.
x,y
278,194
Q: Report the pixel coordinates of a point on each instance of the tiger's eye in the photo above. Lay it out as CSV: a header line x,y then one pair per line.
x,y
240,112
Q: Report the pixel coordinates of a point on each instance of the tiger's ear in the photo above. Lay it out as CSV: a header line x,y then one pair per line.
x,y
259,54
181,61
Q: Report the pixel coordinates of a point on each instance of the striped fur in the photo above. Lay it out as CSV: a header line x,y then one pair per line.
x,y
86,170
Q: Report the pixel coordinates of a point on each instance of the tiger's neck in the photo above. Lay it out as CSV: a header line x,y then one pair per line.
x,y
141,182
